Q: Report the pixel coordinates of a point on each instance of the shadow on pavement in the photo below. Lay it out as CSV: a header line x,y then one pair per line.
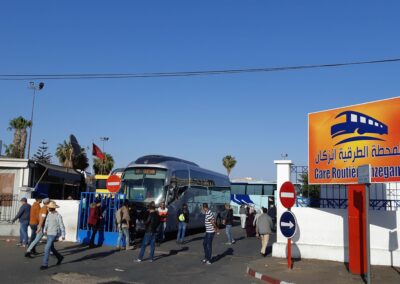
x,y
94,256
218,257
173,252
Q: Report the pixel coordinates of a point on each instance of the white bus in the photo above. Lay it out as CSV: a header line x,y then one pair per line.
x,y
256,194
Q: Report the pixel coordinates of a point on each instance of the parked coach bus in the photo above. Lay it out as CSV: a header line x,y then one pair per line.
x,y
255,194
175,181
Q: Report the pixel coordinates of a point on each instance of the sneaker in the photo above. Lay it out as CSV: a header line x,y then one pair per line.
x,y
60,260
204,260
43,267
28,254
208,262
129,248
228,243
138,260
18,244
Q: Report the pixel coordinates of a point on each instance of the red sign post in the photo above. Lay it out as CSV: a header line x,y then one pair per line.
x,y
113,183
287,196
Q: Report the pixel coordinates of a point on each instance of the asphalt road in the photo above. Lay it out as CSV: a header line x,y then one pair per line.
x,y
174,263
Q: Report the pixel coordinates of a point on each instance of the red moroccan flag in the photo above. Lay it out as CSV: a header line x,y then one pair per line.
x,y
97,152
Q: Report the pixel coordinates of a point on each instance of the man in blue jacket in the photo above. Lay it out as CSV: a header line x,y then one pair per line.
x,y
23,215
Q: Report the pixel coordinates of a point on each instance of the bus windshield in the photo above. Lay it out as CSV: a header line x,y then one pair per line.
x,y
144,184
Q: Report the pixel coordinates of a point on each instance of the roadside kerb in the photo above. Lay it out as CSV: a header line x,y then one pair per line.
x,y
264,277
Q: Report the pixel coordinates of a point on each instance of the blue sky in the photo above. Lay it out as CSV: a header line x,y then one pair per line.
x,y
254,117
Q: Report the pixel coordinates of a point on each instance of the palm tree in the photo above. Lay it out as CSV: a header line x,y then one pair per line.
x,y
67,157
229,163
19,125
64,154
103,167
80,161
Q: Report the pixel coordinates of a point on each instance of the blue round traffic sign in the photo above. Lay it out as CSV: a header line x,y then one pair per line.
x,y
288,224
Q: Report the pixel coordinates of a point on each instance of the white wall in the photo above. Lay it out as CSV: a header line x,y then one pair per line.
x,y
69,211
323,234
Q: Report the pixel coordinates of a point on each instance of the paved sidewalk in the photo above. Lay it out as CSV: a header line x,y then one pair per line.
x,y
274,270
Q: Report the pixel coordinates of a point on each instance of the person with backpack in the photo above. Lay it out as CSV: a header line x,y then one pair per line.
x,y
123,219
183,220
151,225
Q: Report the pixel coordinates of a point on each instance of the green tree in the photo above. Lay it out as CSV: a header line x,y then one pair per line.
x,y
80,161
103,167
64,154
229,163
312,191
20,126
69,159
42,155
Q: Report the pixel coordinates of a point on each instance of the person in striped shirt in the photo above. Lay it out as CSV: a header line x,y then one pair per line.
x,y
211,228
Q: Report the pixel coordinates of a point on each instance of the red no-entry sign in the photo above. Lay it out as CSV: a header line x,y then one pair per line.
x,y
113,183
287,195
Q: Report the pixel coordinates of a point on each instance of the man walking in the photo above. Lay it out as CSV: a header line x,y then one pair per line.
x,y
183,220
34,219
264,227
228,221
152,223
39,232
163,214
53,228
94,222
123,220
23,215
211,228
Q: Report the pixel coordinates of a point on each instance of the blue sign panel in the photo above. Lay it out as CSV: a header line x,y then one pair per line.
x,y
288,224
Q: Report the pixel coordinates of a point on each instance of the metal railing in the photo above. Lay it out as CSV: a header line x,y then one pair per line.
x,y
109,204
9,205
340,203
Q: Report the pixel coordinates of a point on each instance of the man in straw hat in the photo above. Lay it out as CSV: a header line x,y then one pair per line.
x,y
53,228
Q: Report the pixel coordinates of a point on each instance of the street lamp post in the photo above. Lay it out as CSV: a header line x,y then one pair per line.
x,y
104,139
35,88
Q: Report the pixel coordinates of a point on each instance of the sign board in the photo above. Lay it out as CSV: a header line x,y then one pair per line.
x,y
287,195
341,140
364,174
288,224
113,183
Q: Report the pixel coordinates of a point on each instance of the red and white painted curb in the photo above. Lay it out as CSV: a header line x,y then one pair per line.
x,y
264,277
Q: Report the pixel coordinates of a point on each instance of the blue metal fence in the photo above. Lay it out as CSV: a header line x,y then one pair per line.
x,y
340,203
110,203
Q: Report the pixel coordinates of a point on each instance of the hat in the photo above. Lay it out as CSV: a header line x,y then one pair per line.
x,y
52,205
46,200
24,199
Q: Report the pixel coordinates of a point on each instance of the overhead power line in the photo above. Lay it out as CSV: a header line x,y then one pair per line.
x,y
83,76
